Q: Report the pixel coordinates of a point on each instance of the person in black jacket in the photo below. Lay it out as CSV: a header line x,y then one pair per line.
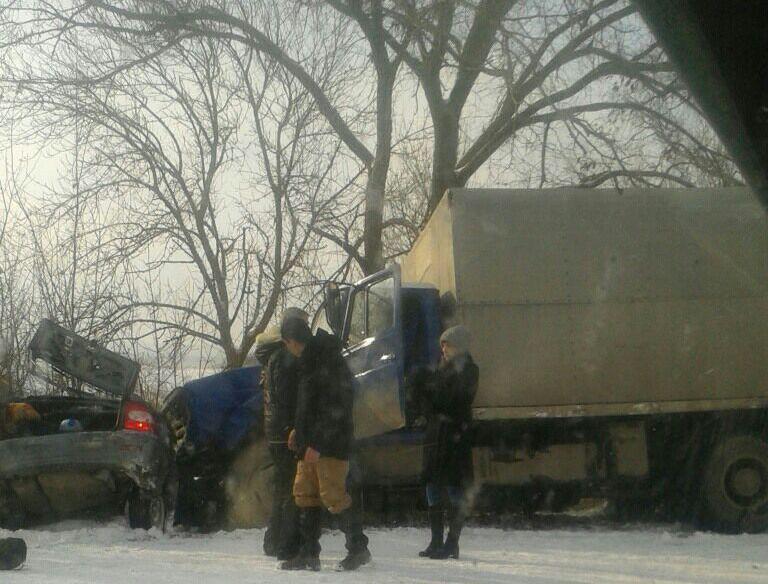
x,y
322,440
446,401
279,384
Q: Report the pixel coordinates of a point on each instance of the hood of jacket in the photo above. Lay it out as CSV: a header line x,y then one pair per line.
x,y
264,352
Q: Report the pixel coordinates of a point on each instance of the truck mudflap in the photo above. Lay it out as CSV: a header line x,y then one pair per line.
x,y
141,457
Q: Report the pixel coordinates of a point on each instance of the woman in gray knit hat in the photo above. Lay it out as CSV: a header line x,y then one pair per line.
x,y
446,401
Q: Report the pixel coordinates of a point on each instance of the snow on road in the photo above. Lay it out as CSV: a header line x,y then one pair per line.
x,y
75,553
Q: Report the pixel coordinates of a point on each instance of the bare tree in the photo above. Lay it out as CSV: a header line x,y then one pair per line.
x,y
547,67
257,25
407,198
16,296
213,166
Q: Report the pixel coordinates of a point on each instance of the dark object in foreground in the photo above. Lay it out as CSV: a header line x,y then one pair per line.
x,y
719,48
13,553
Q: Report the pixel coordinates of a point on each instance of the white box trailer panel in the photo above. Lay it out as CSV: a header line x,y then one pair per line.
x,y
603,301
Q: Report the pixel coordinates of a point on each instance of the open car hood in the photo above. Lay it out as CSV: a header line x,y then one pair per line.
x,y
83,359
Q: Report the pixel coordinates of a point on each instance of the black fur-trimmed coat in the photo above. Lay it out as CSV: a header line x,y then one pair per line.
x,y
446,401
324,404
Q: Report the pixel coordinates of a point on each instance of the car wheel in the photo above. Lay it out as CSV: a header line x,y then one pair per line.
x,y
735,485
146,510
12,516
248,487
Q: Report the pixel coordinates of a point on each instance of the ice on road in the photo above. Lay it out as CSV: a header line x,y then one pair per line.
x,y
112,553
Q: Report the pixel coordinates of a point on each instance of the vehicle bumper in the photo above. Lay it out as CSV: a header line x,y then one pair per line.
x,y
141,457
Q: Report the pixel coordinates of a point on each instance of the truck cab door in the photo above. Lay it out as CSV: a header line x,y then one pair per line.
x,y
374,353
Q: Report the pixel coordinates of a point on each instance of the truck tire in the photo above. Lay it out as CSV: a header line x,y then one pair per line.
x,y
735,485
248,487
562,498
145,510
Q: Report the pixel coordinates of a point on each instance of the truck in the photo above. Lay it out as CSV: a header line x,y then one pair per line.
x,y
621,336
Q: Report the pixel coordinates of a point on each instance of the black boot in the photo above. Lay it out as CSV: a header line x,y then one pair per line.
x,y
436,525
290,549
13,553
356,541
270,547
354,560
308,557
450,548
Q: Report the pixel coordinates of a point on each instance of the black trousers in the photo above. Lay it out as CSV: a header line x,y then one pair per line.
x,y
351,522
283,530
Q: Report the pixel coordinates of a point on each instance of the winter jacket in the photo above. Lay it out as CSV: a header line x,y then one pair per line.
x,y
326,390
446,400
279,382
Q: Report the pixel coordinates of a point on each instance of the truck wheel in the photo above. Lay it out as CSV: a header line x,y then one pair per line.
x,y
248,487
735,485
632,508
145,510
563,498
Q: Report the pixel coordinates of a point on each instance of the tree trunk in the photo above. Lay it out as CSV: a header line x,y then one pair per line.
x,y
377,176
444,154
236,358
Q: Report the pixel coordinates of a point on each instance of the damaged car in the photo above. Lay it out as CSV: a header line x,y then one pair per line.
x,y
94,447
222,459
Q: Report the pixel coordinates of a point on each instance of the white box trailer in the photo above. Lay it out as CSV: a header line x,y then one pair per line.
x,y
597,302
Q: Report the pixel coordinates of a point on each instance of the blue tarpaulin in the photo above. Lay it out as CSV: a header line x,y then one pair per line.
x,y
223,407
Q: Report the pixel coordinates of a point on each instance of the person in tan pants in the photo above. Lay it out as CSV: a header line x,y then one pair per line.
x,y
322,439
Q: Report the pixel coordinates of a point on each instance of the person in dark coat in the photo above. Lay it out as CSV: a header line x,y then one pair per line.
x,y
322,440
279,384
446,401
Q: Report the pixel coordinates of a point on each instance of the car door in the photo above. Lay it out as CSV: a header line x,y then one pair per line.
x,y
373,338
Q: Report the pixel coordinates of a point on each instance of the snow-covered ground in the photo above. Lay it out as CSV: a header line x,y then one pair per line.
x,y
111,553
